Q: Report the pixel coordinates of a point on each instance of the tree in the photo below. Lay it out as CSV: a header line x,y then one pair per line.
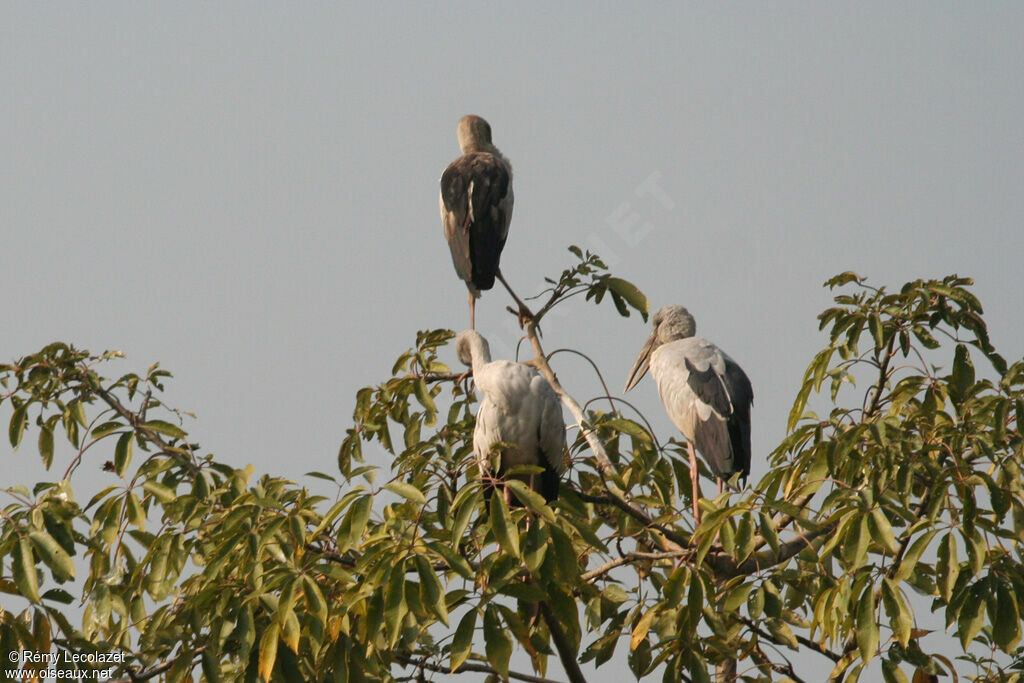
x,y
894,511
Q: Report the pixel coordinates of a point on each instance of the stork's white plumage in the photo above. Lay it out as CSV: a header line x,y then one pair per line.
x,y
705,393
519,409
476,208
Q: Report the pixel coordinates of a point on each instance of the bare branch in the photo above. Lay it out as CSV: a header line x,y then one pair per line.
x,y
146,674
803,640
467,667
629,558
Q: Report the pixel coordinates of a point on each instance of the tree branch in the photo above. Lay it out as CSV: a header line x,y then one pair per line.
x,y
466,667
565,649
726,565
629,558
144,675
682,542
604,464
137,424
803,640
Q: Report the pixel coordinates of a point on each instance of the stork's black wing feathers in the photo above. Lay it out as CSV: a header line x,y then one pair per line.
x,y
724,441
742,394
708,387
473,190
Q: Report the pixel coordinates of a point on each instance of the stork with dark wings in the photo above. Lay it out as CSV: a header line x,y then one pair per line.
x,y
705,393
476,207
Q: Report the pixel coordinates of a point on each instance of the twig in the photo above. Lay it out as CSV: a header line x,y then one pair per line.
x,y
803,640
681,542
150,435
466,667
144,675
629,558
726,566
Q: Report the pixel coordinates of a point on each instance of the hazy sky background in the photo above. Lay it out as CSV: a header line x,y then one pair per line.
x,y
247,192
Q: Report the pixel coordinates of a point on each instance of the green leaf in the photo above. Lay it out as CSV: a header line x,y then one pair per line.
x,y
531,499
455,561
901,619
497,642
972,614
160,492
466,507
1006,630
875,325
315,602
844,278
867,626
268,650
123,452
881,530
891,673
25,577
781,632
431,592
78,413
426,400
855,548
55,557
642,627
59,595
211,666
395,606
354,523
46,446
107,428
624,426
963,372
628,291
462,644
913,554
165,428
736,596
134,511
948,568
17,427
407,491
505,532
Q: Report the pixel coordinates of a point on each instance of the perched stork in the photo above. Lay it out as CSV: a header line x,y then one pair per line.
x,y
520,410
476,207
705,393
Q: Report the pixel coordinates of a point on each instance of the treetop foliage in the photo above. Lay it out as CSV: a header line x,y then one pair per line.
x,y
892,514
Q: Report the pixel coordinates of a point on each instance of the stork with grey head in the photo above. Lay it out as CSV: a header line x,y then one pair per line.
x,y
705,393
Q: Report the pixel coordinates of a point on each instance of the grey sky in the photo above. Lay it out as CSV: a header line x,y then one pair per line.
x,y
247,193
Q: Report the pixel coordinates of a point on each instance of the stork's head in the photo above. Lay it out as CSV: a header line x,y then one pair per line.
x,y
470,346
669,323
474,134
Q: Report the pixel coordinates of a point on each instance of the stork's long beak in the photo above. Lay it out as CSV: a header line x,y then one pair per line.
x,y
641,364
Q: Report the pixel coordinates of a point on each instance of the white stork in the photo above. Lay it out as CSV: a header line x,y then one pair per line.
x,y
476,207
705,393
520,410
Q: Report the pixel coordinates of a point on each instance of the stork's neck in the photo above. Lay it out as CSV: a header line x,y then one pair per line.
x,y
474,146
480,352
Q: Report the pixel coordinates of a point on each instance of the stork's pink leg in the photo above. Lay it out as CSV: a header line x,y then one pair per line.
x,y
472,311
695,480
